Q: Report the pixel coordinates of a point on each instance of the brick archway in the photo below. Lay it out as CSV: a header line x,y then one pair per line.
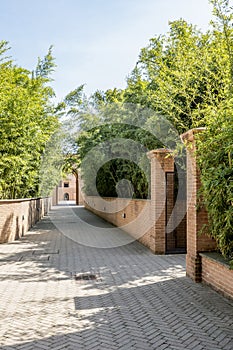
x,y
66,196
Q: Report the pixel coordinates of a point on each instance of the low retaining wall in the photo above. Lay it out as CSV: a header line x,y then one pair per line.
x,y
136,217
131,215
17,216
216,273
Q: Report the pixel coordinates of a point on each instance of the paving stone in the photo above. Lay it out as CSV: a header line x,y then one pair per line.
x,y
140,301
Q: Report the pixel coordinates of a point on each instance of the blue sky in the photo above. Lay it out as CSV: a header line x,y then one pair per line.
x,y
96,42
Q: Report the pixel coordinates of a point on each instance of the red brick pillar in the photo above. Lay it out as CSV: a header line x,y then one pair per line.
x,y
196,217
76,188
55,196
161,162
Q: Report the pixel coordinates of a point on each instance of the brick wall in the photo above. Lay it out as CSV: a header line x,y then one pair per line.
x,y
135,217
70,181
217,274
161,163
131,215
74,191
203,264
147,220
181,229
170,201
17,216
167,235
196,218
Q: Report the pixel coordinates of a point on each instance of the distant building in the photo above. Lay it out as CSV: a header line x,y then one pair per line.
x,y
68,189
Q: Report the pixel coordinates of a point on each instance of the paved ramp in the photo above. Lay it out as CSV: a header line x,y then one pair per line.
x,y
75,283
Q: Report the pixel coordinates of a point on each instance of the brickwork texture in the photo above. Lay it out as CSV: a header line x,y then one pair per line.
x,y
19,215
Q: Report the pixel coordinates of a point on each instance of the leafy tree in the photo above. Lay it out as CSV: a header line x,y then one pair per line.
x,y
180,76
186,78
215,155
215,146
27,120
103,123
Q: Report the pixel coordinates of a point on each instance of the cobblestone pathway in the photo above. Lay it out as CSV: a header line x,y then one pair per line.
x,y
137,300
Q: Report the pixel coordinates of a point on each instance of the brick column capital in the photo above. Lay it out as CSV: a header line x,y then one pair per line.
x,y
159,153
164,158
189,136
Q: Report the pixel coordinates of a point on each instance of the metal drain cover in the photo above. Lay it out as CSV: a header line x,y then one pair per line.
x,y
85,277
45,251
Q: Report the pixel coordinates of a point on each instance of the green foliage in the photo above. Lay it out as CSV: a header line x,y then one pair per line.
x,y
112,159
180,75
45,66
215,154
186,77
122,178
27,120
215,146
52,164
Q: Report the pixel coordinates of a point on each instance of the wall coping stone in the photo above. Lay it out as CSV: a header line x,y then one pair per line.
x,y
217,258
190,134
120,198
6,201
153,153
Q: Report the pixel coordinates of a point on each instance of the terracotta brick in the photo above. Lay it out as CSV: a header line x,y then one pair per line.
x,y
146,219
217,275
196,243
201,268
19,215
74,190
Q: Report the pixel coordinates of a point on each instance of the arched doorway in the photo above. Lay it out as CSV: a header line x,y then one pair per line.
x,y
66,196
